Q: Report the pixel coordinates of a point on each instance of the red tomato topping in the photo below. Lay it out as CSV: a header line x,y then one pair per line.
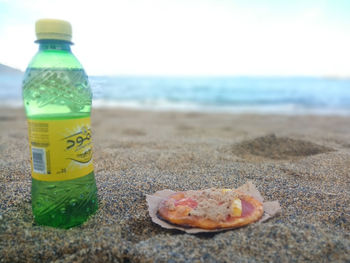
x,y
186,202
247,208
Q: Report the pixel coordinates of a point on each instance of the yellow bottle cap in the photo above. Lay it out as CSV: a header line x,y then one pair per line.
x,y
53,29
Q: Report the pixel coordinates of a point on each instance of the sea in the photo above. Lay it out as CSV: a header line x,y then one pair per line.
x,y
262,95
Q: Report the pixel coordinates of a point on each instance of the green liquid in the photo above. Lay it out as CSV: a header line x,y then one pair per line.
x,y
55,87
64,204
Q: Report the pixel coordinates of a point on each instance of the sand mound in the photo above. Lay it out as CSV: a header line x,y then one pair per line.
x,y
278,148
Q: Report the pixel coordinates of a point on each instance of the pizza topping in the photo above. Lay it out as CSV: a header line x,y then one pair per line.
x,y
236,207
187,201
170,204
213,204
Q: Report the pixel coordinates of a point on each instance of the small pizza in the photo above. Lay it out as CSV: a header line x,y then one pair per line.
x,y
210,209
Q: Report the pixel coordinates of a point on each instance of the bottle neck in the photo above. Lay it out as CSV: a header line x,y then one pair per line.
x,y
51,44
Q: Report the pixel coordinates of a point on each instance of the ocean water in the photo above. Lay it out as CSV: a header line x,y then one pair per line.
x,y
276,95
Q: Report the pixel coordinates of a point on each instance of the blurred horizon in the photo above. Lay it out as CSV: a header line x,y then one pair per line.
x,y
229,94
192,76
189,38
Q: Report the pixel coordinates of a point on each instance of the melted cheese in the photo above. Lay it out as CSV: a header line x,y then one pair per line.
x,y
236,207
215,204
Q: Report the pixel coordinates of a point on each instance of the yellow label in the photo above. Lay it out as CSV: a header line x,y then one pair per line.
x,y
60,149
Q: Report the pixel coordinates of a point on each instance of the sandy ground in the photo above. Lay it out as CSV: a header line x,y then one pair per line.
x,y
302,161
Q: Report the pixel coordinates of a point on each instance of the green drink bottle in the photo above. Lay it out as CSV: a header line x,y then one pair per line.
x,y
57,99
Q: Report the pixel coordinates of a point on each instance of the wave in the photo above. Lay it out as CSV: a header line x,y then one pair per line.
x,y
11,103
298,95
166,105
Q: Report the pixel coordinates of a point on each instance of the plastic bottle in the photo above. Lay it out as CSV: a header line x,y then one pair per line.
x,y
57,99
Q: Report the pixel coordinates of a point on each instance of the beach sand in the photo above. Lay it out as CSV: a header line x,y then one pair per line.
x,y
302,161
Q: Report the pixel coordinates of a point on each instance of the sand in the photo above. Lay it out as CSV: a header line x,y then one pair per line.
x,y
302,161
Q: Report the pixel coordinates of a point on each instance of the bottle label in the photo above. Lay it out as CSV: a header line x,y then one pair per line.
x,y
60,149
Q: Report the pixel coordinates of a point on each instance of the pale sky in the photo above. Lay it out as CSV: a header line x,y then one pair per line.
x,y
189,37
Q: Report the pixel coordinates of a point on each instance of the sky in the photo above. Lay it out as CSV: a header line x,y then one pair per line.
x,y
189,37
